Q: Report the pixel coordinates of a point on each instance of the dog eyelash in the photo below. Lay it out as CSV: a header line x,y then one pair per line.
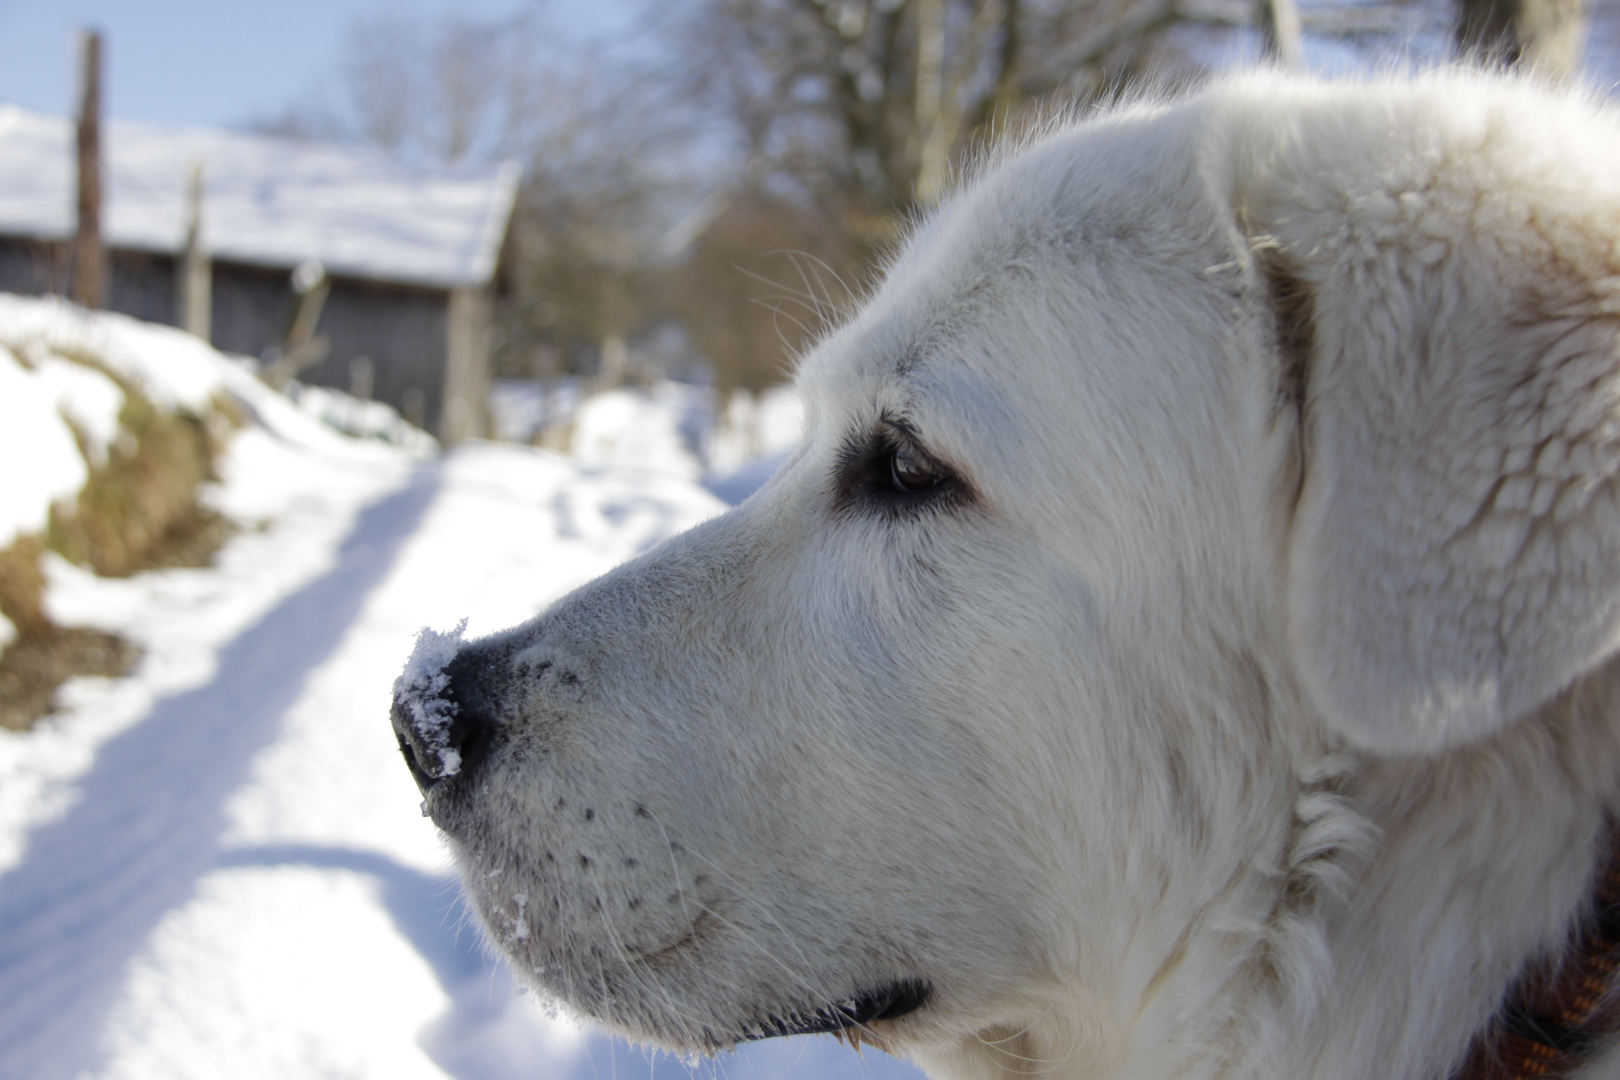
x,y
888,472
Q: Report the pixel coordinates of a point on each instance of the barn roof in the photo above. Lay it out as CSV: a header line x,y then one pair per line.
x,y
269,201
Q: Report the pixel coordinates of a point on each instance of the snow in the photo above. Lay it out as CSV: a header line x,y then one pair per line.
x,y
267,201
418,691
33,430
87,399
216,865
50,397
367,419
670,425
636,425
169,366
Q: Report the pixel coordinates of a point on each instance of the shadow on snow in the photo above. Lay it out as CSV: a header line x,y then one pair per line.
x,y
93,885
483,1037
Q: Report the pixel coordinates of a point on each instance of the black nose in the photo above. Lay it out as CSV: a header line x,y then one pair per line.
x,y
443,718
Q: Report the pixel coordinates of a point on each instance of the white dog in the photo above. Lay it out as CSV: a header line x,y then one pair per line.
x,y
1182,645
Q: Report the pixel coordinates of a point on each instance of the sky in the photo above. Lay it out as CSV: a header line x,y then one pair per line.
x,y
218,63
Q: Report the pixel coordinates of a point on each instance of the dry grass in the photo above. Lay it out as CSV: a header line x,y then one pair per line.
x,y
37,663
22,586
138,511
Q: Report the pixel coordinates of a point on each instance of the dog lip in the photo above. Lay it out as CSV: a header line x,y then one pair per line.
x,y
889,1002
702,928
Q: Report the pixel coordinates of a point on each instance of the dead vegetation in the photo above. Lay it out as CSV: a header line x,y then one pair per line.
x,y
139,510
35,665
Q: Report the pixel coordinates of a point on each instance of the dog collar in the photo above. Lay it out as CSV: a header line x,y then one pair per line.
x,y
1556,1013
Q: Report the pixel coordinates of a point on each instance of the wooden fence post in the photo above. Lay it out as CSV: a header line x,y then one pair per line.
x,y
465,413
195,271
1281,33
1547,36
89,253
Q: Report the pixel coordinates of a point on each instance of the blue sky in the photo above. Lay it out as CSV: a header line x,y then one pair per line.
x,y
216,62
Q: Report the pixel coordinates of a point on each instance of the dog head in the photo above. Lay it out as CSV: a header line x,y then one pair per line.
x,y
1179,452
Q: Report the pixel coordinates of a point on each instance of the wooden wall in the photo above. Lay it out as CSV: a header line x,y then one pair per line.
x,y
33,267
405,330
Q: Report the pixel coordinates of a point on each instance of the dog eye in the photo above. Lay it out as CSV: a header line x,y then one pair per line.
x,y
885,470
910,471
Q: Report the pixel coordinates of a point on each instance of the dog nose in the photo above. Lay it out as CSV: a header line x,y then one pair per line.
x,y
442,718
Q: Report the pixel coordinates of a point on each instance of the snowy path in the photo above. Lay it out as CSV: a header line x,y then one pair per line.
x,y
224,872
94,884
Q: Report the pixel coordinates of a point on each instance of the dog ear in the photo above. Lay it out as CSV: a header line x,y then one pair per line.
x,y
1450,350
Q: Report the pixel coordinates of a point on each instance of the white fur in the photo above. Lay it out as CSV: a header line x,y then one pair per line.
x,y
1244,719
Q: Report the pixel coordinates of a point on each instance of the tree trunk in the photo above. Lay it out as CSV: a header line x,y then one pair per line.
x,y
929,119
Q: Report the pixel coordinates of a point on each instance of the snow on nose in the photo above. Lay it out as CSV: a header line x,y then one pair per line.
x,y
424,717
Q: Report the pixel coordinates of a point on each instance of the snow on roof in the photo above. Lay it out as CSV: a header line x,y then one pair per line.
x,y
268,201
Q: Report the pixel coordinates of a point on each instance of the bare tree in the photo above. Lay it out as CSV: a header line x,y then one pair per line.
x,y
603,182
602,164
861,105
456,90
380,76
759,283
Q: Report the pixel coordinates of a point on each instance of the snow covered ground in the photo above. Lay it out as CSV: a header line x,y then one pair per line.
x,y
216,867
676,425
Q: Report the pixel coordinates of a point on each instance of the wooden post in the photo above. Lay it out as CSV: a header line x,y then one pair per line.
x,y
465,414
1280,32
1547,36
89,254
195,271
303,347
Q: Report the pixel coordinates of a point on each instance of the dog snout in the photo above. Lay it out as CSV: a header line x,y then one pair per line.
x,y
445,723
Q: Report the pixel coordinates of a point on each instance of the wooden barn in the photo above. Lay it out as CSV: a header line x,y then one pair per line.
x,y
410,254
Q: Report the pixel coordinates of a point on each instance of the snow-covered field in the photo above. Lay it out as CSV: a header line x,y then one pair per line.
x,y
216,867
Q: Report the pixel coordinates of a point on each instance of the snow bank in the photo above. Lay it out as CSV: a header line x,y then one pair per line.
x,y
43,463
169,366
362,419
53,398
86,399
